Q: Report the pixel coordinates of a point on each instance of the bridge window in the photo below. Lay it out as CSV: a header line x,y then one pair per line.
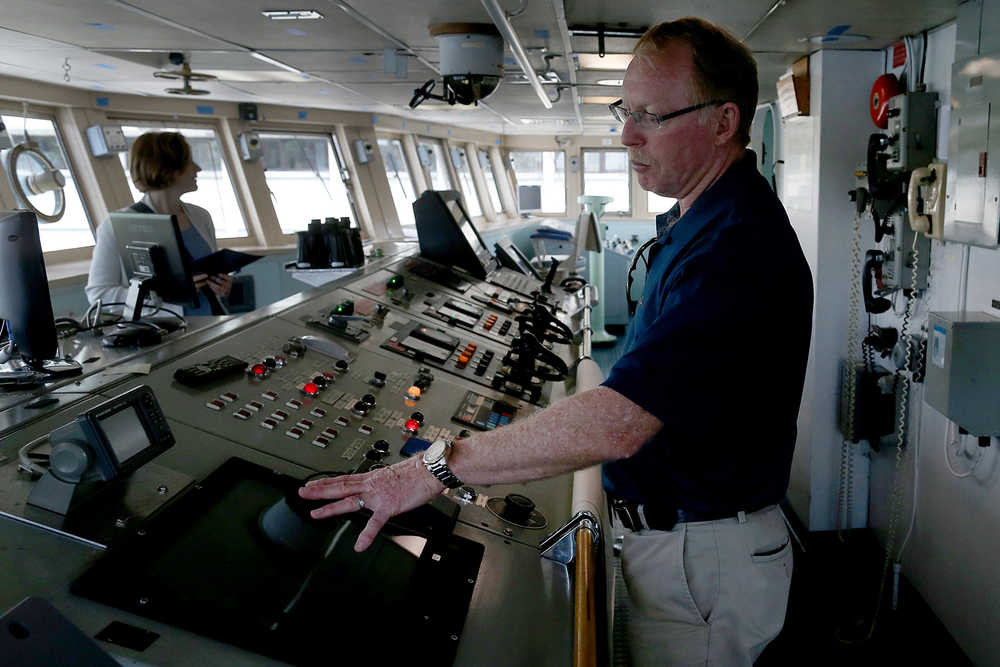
x,y
304,179
546,169
73,230
657,204
215,191
606,172
431,151
492,187
400,183
469,194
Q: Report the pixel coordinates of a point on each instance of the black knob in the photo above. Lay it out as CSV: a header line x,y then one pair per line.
x,y
320,381
418,416
464,433
378,379
381,445
271,362
369,400
517,508
375,455
360,408
344,308
341,365
395,282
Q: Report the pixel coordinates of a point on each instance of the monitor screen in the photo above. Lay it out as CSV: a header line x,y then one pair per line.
x,y
464,224
136,231
447,235
24,295
125,434
529,198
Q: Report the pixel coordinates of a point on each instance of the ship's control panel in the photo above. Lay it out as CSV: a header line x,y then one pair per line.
x,y
357,376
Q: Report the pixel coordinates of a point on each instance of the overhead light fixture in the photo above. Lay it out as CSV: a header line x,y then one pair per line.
x,y
819,40
611,61
291,14
277,63
610,82
598,99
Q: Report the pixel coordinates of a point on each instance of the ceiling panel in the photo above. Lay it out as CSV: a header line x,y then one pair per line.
x,y
96,24
38,35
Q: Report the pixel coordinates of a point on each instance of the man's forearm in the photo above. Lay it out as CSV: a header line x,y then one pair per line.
x,y
580,431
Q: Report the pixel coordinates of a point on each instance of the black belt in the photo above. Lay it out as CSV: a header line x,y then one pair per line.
x,y
654,516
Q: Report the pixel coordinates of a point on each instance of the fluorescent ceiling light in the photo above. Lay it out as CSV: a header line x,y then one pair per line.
x,y
610,82
819,40
291,14
598,99
243,75
527,121
610,61
277,63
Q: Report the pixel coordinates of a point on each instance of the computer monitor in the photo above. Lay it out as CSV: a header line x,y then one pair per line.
x,y
510,256
24,297
447,235
529,198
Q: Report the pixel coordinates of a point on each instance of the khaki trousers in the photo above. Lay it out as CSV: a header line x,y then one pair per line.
x,y
707,593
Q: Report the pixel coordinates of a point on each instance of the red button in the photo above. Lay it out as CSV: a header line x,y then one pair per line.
x,y
260,370
412,425
310,388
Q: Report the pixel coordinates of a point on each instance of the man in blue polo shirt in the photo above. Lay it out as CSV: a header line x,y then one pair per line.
x,y
696,422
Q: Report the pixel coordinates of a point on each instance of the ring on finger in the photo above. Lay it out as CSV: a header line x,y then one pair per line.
x,y
361,503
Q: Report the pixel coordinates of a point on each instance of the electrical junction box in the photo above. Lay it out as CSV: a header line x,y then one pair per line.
x,y
106,140
912,131
972,199
250,147
963,370
897,270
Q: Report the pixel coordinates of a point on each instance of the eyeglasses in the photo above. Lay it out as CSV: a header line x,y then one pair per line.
x,y
647,121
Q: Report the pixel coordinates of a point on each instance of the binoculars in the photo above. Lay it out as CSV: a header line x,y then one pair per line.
x,y
329,245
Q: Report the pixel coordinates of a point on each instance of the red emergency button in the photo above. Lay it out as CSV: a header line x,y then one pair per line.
x,y
258,370
412,425
310,388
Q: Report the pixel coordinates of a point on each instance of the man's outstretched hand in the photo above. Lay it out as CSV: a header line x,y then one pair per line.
x,y
386,492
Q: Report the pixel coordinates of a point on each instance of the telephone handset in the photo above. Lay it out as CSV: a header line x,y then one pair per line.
x,y
925,199
873,267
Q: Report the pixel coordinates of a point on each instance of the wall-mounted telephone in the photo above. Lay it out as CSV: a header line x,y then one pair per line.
x,y
926,197
873,270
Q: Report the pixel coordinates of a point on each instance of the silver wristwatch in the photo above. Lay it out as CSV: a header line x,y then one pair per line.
x,y
436,461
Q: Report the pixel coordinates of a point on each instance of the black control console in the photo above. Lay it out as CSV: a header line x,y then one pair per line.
x,y
106,442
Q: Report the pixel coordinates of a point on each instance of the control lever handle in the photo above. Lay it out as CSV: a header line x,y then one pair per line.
x,y
550,276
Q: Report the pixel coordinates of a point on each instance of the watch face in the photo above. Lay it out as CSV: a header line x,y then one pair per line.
x,y
434,452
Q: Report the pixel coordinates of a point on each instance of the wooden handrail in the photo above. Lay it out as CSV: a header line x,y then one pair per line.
x,y
585,616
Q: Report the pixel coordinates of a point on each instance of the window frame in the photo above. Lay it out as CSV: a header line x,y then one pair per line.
x,y
439,144
341,169
565,184
481,151
464,147
215,126
79,253
401,138
630,211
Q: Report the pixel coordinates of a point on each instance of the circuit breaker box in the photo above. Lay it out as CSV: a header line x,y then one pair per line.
x,y
963,370
972,204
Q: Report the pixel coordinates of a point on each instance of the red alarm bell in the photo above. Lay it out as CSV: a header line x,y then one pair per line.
x,y
886,86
